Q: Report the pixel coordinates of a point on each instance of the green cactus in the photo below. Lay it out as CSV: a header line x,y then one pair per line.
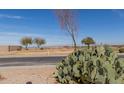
x,y
91,66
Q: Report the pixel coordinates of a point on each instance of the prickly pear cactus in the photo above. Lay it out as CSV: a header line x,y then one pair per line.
x,y
91,66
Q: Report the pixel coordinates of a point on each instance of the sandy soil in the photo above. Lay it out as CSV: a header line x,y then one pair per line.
x,y
38,52
21,75
35,74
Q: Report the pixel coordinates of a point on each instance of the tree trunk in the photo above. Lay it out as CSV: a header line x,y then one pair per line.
x,y
26,47
74,41
73,37
88,46
38,46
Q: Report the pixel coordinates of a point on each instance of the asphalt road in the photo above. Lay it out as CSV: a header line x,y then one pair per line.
x,y
121,56
29,61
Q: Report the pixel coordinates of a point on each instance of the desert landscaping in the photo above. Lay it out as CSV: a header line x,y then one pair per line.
x,y
42,74
21,75
55,49
37,52
37,74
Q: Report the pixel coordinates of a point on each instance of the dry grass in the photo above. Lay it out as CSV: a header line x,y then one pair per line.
x,y
38,52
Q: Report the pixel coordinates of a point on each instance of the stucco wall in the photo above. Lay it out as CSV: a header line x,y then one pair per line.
x,y
13,48
10,48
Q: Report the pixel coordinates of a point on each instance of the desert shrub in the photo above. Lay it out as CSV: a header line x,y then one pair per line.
x,y
91,66
121,50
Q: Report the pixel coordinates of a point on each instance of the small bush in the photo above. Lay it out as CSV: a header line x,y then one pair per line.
x,y
91,66
121,50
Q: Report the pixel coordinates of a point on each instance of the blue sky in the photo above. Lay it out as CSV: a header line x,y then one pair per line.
x,y
105,26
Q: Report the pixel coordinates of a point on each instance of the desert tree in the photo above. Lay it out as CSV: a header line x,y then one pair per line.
x,y
39,41
67,21
88,41
25,41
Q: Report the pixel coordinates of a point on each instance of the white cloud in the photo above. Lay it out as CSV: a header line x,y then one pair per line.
x,y
10,16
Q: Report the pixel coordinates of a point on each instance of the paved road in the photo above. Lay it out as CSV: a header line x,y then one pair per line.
x,y
121,56
28,61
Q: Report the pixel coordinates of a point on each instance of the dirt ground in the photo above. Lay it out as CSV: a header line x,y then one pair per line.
x,y
20,75
36,74
38,52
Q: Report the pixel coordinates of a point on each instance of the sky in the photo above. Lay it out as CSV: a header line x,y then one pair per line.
x,y
104,26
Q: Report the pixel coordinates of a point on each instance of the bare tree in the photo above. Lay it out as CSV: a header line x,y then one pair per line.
x,y
67,22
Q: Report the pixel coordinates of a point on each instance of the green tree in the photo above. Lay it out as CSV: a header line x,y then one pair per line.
x,y
39,42
88,41
25,41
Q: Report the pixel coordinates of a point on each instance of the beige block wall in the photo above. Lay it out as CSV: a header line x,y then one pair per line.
x,y
9,48
14,48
